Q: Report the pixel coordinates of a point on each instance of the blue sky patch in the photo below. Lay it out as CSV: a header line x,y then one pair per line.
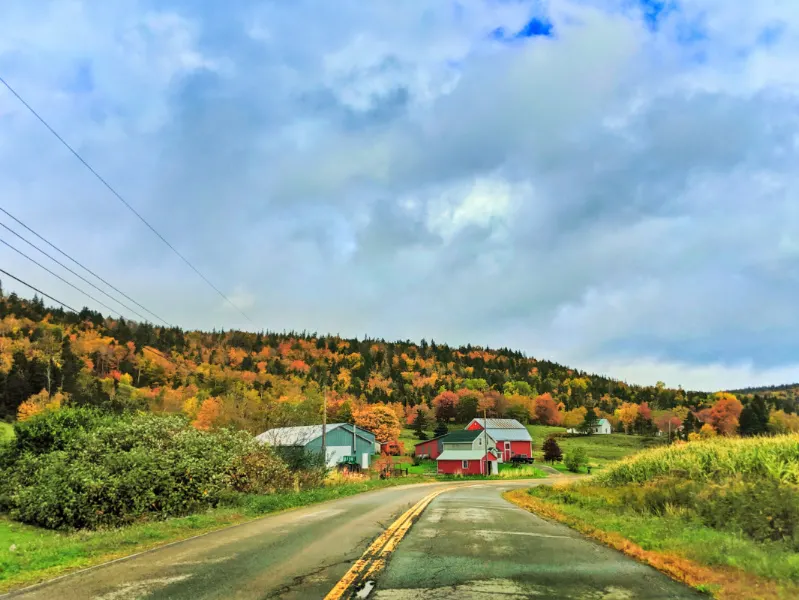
x,y
535,27
655,11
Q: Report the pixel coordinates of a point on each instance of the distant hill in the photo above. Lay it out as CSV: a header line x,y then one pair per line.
x,y
253,380
768,389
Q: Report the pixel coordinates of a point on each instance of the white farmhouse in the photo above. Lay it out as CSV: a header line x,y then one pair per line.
x,y
602,427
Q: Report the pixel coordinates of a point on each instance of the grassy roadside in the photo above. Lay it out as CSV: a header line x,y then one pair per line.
x,y
723,564
720,514
29,554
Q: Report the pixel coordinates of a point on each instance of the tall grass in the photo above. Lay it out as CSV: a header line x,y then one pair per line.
x,y
716,459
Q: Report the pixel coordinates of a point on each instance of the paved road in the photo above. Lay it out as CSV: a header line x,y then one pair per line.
x,y
471,544
468,543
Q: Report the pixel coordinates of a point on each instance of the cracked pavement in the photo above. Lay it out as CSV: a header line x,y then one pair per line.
x,y
470,543
298,554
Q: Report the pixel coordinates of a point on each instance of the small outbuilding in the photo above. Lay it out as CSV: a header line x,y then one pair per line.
x,y
342,440
430,448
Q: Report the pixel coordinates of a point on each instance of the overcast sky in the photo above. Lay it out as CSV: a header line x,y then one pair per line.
x,y
608,184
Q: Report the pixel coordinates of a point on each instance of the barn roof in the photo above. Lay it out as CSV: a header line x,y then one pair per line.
x,y
501,423
462,455
300,436
505,430
462,435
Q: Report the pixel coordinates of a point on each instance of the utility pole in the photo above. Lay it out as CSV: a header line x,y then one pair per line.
x,y
485,442
324,424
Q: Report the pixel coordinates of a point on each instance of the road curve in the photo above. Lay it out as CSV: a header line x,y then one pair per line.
x,y
468,543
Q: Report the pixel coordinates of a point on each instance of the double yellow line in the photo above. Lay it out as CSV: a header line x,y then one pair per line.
x,y
374,559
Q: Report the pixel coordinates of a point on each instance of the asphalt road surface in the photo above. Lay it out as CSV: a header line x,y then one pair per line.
x,y
467,543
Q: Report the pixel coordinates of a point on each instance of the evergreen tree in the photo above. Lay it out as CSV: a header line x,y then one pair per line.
x,y
552,451
419,423
590,423
754,418
690,424
441,429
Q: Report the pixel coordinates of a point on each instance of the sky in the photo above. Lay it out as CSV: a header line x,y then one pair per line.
x,y
609,184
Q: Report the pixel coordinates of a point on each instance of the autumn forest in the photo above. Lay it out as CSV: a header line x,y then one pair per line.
x,y
255,381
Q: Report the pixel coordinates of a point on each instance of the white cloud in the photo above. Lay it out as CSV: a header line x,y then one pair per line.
x,y
612,196
700,377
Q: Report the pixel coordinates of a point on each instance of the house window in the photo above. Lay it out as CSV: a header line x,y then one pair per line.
x,y
465,464
507,445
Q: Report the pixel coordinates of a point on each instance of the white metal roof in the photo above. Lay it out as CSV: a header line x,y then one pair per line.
x,y
461,455
506,430
500,423
300,436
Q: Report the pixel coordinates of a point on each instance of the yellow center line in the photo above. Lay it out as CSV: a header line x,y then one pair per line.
x,y
374,558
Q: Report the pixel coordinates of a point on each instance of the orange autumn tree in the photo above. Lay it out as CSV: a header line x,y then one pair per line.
x,y
546,410
208,414
39,403
724,414
380,420
445,405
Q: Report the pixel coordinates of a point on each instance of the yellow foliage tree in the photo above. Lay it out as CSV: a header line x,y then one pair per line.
x,y
39,403
627,413
209,412
707,431
574,417
380,420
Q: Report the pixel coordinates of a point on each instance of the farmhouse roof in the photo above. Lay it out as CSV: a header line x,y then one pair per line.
x,y
462,455
463,435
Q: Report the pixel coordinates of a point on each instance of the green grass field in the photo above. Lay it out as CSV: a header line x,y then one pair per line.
x,y
6,431
601,449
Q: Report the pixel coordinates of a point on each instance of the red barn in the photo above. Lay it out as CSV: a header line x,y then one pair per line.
x,y
467,452
430,448
511,436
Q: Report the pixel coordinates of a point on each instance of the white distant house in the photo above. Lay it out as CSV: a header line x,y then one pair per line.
x,y
602,427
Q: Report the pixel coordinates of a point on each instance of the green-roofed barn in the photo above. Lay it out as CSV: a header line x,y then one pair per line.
x,y
467,452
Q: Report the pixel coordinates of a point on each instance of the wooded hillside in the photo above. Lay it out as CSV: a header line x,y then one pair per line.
x,y
50,357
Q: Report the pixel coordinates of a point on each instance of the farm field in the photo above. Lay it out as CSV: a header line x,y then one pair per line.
x,y
600,449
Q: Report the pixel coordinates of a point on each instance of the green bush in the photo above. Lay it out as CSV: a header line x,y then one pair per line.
x,y
76,468
763,510
575,458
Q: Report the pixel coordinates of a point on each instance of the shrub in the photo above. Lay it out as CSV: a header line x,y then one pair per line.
x,y
76,468
552,451
575,459
762,510
392,448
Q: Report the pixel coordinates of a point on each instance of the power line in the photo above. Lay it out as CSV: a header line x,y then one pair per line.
x,y
38,291
79,276
84,267
54,274
120,198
